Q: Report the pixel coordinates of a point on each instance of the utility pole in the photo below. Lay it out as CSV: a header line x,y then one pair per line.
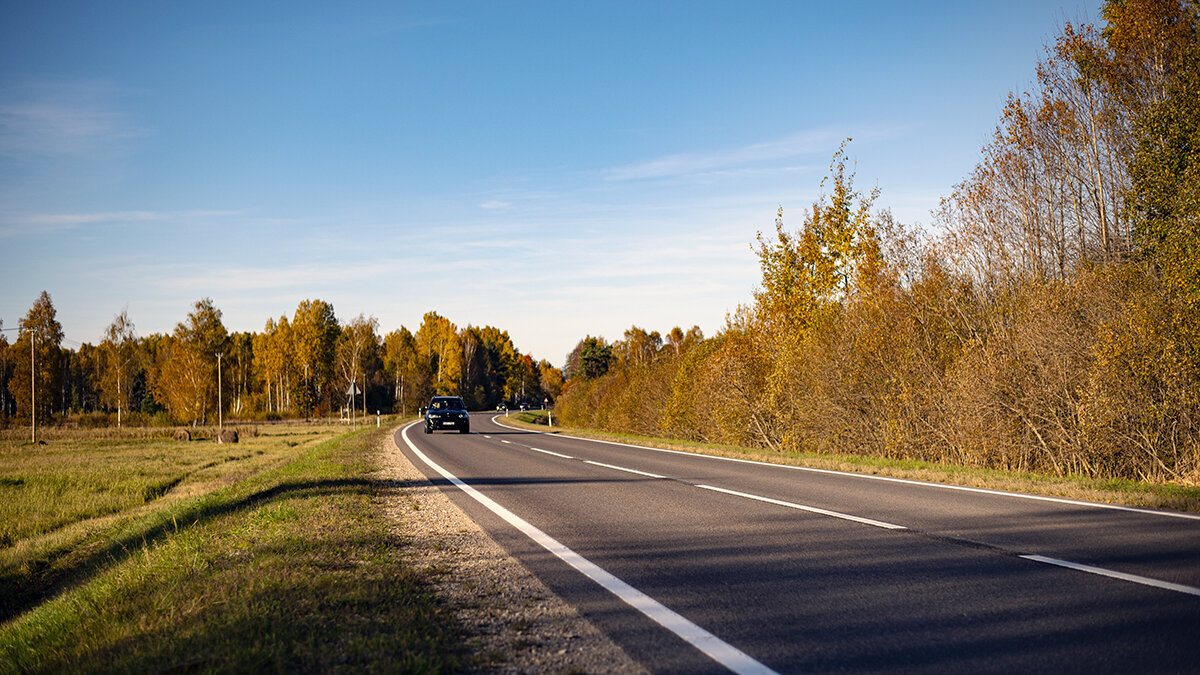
x,y
32,390
220,412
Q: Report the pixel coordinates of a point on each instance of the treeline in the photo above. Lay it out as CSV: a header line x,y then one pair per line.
x,y
300,367
1054,325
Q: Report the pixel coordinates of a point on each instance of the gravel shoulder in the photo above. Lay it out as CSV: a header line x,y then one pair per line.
x,y
517,625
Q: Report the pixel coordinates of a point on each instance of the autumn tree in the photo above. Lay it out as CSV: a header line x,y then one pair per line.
x,y
34,386
411,379
274,367
550,380
835,254
314,335
357,345
638,348
524,381
439,346
502,356
187,378
239,373
119,359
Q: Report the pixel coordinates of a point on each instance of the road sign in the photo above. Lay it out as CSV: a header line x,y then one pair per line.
x,y
353,390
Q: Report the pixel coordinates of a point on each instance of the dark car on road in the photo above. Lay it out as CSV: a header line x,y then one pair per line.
x,y
447,412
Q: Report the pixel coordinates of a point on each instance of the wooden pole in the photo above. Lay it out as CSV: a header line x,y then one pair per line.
x,y
32,390
220,412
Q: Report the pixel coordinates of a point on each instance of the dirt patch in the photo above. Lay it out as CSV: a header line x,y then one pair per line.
x,y
517,624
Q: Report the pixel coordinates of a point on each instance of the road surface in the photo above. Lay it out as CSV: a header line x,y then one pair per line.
x,y
702,564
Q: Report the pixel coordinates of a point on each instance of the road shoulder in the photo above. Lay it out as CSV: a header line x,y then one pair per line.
x,y
517,624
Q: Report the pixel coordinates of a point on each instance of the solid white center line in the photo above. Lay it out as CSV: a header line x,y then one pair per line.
x,y
708,644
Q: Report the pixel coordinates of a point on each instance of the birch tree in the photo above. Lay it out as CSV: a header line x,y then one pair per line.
x,y
119,359
356,348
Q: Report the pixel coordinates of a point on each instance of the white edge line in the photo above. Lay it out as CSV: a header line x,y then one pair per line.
x,y
709,644
1145,581
906,481
802,507
622,468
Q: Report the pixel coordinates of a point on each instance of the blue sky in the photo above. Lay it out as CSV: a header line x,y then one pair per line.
x,y
554,169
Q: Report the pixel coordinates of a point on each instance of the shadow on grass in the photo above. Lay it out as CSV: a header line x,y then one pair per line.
x,y
58,572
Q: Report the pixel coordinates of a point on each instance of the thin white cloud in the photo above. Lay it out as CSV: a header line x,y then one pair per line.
x,y
62,219
63,120
737,159
248,280
494,205
12,225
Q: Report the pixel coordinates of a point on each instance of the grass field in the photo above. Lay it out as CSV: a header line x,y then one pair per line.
x,y
1132,493
126,553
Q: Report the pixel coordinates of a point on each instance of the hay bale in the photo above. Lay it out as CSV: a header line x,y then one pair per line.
x,y
228,436
182,435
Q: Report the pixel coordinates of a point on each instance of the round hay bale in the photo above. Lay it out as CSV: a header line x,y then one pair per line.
x,y
228,436
182,435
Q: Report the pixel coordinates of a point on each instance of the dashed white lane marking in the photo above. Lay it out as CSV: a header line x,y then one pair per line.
x,y
1079,567
803,507
709,644
622,468
1137,579
552,454
890,479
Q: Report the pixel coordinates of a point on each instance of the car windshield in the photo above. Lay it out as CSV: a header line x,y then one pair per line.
x,y
446,404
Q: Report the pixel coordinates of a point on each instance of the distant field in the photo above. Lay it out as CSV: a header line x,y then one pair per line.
x,y
139,553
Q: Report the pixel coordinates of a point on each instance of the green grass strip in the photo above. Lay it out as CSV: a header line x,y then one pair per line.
x,y
297,568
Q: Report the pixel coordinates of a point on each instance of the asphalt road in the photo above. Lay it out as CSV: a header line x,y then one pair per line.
x,y
699,564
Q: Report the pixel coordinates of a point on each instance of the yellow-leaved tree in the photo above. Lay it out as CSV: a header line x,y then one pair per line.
x,y
807,279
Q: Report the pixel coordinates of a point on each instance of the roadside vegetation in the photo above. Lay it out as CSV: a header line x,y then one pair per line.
x,y
1051,327
135,553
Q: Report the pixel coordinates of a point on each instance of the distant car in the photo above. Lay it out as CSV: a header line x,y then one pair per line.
x,y
447,412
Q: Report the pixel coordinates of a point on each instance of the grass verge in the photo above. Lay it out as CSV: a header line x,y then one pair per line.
x,y
276,555
1132,493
